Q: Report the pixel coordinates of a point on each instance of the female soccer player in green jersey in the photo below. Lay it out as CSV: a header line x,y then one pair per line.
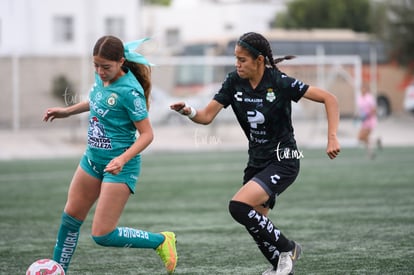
x,y
110,167
260,96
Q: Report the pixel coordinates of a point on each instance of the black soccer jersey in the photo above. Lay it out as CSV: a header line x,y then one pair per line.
x,y
264,113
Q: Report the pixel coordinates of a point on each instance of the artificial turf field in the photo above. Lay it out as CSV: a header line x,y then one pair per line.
x,y
351,215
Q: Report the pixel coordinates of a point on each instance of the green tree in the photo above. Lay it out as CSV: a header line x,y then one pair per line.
x,y
60,88
157,2
390,21
308,14
399,30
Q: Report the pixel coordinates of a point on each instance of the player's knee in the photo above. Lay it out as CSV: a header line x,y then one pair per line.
x,y
240,211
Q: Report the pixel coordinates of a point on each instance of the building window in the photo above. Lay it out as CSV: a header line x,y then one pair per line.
x,y
172,37
63,29
115,26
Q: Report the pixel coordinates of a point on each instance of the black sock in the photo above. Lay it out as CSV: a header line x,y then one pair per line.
x,y
270,252
268,238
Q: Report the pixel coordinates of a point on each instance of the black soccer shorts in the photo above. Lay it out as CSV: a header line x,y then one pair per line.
x,y
274,178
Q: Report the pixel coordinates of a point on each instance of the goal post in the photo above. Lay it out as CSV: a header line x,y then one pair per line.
x,y
339,74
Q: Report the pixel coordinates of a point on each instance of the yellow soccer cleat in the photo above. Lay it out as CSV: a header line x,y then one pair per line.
x,y
168,252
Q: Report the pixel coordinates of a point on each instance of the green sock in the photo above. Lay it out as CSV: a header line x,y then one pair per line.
x,y
67,240
130,237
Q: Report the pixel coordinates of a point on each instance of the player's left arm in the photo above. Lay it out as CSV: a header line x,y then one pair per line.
x,y
144,139
201,116
332,112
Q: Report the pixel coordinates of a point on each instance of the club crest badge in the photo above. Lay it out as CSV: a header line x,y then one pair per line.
x,y
111,101
270,96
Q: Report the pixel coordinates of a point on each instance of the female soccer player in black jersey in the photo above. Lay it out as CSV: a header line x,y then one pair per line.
x,y
260,96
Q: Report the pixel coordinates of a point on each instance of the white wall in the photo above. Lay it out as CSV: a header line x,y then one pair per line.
x,y
27,25
200,19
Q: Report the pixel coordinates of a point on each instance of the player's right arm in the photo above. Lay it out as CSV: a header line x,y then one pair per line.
x,y
62,112
202,116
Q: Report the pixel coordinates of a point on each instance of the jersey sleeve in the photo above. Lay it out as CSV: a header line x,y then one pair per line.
x,y
225,95
136,105
294,88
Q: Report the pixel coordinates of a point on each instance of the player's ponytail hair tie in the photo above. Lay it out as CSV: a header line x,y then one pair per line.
x,y
131,54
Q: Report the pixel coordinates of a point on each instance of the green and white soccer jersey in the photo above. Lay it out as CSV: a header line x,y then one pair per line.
x,y
264,113
113,110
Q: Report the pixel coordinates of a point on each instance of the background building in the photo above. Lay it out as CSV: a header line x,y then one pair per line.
x,y
44,42
194,20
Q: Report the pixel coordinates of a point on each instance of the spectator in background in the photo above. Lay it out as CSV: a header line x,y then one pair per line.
x,y
367,114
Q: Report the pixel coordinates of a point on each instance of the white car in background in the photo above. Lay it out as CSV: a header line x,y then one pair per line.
x,y
409,98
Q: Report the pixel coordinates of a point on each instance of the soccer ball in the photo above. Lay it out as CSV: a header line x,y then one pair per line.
x,y
45,266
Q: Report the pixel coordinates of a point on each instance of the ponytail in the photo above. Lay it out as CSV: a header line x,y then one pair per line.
x,y
143,74
280,59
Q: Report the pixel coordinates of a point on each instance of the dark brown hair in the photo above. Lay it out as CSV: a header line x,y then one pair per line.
x,y
256,44
112,48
